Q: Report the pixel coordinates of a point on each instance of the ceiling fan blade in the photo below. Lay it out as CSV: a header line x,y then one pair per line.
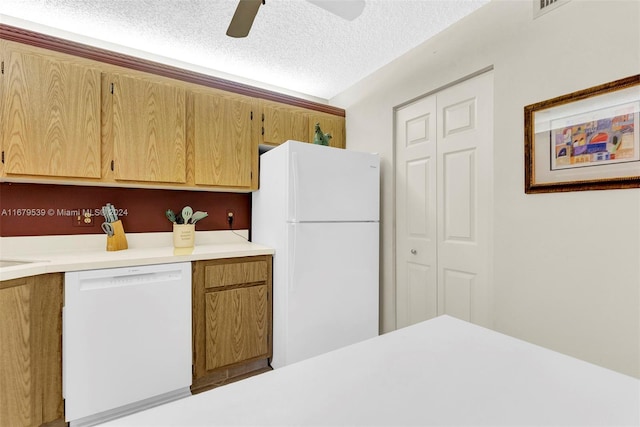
x,y
243,18
348,10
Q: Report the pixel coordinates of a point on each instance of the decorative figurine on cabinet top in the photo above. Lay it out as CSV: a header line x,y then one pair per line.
x,y
321,138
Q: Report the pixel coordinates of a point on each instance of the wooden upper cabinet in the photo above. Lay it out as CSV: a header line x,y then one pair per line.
x,y
335,125
145,119
50,114
224,144
66,118
281,122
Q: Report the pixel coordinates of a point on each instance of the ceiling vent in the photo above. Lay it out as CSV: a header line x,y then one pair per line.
x,y
540,7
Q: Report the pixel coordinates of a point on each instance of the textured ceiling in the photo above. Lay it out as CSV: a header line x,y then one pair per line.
x,y
293,44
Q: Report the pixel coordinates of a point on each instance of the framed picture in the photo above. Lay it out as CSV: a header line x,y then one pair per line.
x,y
586,140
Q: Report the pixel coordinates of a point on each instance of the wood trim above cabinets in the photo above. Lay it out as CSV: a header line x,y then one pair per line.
x,y
40,40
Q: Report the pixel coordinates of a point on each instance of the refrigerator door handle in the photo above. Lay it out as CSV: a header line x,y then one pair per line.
x,y
292,256
293,202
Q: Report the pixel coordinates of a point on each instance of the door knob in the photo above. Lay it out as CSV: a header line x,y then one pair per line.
x,y
413,251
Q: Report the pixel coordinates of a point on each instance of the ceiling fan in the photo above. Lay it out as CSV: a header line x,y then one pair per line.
x,y
247,9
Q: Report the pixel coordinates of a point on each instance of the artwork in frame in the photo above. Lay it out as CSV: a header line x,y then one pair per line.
x,y
585,140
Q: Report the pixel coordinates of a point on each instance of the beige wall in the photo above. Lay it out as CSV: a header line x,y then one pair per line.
x,y
566,266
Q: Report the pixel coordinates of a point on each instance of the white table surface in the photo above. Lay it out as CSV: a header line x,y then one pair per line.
x,y
440,372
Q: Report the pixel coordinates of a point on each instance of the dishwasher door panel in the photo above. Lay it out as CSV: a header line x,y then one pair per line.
x,y
126,336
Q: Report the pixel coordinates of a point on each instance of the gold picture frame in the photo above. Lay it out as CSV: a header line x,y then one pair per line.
x,y
585,140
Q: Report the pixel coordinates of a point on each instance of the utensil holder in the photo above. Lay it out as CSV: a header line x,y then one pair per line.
x,y
184,235
118,241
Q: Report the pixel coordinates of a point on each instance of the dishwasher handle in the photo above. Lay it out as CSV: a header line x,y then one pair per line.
x,y
119,281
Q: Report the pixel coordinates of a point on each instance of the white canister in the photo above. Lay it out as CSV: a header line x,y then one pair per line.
x,y
184,235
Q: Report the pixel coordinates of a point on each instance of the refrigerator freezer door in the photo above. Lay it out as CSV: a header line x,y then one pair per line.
x,y
330,184
332,289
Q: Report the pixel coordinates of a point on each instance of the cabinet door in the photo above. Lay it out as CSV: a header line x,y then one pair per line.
x,y
236,325
232,318
329,124
50,116
281,122
31,351
147,125
223,140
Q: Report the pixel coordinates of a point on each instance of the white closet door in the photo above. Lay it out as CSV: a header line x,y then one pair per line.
x,y
416,232
465,165
444,185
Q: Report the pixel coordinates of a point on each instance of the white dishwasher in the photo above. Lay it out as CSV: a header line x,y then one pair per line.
x,y
126,340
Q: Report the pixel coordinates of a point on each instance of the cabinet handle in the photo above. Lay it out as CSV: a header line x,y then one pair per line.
x,y
413,251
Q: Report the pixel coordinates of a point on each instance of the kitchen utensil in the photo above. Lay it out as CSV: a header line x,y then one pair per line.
x,y
170,215
114,213
109,212
107,228
187,212
106,214
179,219
197,216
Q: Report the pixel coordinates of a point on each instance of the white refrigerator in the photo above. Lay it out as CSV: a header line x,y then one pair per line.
x,y
318,207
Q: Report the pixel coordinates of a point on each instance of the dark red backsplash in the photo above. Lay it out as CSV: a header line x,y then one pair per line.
x,y
46,209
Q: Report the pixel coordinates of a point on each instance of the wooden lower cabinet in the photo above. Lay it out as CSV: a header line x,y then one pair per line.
x,y
31,351
232,318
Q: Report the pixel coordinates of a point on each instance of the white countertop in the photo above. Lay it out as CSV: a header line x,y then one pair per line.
x,y
440,372
55,254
